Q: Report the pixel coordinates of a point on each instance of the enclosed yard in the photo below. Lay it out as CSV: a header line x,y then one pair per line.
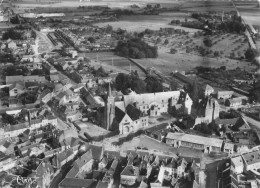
x,y
91,129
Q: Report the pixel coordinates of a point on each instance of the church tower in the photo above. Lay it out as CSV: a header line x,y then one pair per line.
x,y
209,111
109,109
188,104
212,110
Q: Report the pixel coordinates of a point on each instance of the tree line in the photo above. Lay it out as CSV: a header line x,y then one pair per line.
x,y
132,81
136,48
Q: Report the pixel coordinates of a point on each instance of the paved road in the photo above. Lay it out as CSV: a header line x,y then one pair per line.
x,y
251,120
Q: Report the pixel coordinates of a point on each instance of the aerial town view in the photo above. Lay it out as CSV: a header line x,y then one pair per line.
x,y
129,93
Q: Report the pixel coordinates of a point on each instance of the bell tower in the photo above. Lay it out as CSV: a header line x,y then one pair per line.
x,y
109,109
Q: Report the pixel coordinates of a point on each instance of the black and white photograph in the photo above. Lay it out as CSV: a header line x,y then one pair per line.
x,y
129,93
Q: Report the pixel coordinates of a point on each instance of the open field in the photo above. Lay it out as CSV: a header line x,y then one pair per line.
x,y
166,63
108,59
251,15
225,44
139,23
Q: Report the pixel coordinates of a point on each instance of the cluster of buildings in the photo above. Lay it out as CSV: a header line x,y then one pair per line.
x,y
86,39
18,47
99,168
240,171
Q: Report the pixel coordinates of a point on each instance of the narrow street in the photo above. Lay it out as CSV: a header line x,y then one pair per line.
x,y
45,38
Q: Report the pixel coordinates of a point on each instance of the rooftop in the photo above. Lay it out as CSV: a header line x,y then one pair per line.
x,y
195,139
78,183
252,157
130,171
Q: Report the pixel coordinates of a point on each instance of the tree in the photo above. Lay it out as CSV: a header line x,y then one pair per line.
x,y
153,84
149,6
208,42
203,128
188,49
173,51
216,53
15,20
33,34
100,72
136,48
251,54
39,72
158,40
91,40
255,92
166,41
138,86
122,82
8,119
12,34
125,81
109,29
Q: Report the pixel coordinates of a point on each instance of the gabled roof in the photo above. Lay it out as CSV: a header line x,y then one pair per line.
x,y
60,95
119,114
133,112
17,86
208,88
130,171
241,124
85,158
182,162
64,155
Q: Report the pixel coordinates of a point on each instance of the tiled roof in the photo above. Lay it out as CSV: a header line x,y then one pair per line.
x,y
78,183
242,124
133,112
64,155
119,114
73,172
